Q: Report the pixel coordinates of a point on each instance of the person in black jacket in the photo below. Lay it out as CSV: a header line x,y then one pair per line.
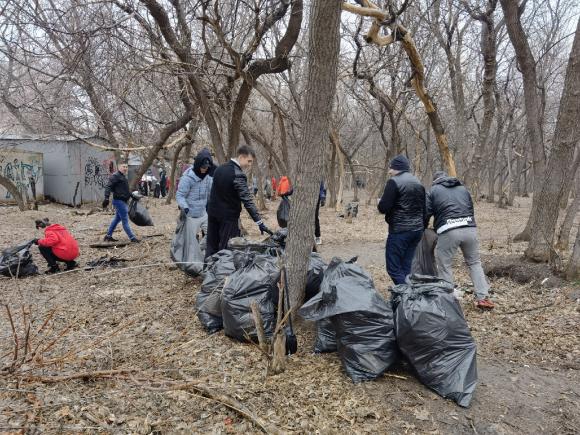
x,y
229,191
403,204
449,202
119,187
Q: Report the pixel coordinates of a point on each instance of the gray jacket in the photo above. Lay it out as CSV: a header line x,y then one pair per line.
x,y
193,193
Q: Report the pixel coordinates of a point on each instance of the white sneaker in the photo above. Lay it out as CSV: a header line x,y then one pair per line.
x,y
318,241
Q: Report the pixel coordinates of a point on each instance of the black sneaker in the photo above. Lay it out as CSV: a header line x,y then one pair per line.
x,y
71,265
135,240
109,239
51,270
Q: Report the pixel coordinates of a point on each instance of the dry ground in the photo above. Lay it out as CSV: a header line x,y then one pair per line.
x,y
140,321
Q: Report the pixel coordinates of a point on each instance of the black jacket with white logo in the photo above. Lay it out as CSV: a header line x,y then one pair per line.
x,y
450,204
228,192
403,203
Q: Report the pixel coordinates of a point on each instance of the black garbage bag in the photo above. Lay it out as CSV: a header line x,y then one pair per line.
x,y
279,238
424,260
366,343
283,212
316,268
362,320
433,335
17,261
185,249
139,214
267,246
257,280
325,337
209,299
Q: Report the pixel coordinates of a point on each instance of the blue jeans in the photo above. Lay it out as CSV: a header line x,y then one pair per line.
x,y
121,215
399,254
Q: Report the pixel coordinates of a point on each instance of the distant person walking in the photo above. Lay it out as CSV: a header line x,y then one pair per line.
x,y
57,245
403,204
163,183
194,189
229,191
451,206
119,186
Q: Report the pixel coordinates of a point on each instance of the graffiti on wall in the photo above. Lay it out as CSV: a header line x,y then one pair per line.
x,y
97,172
23,174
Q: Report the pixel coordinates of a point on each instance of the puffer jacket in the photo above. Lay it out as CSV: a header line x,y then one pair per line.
x,y
403,203
193,193
451,205
119,186
63,244
229,191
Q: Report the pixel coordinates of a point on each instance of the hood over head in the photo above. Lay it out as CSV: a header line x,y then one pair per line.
x,y
441,177
202,160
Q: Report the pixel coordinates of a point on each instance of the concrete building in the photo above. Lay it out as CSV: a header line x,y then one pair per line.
x,y
73,171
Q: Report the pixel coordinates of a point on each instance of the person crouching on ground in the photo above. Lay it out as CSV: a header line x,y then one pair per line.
x,y
194,188
58,245
450,203
229,191
403,204
119,186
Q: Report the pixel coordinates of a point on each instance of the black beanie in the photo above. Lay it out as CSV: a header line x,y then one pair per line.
x,y
400,163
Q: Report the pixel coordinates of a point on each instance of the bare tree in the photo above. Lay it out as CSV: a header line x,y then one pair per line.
x,y
566,137
324,45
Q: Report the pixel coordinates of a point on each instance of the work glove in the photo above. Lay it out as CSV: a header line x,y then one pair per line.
x,y
263,228
105,203
35,241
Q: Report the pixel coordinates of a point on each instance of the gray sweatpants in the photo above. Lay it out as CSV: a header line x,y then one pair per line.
x,y
466,239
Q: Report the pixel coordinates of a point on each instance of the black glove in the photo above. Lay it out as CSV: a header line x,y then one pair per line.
x,y
35,241
105,203
186,211
264,229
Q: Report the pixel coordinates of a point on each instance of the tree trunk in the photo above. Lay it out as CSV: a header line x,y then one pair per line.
x,y
340,191
532,102
257,173
13,190
573,270
380,182
566,229
331,182
176,153
323,50
164,134
566,136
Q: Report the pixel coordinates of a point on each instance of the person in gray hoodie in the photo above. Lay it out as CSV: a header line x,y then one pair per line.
x,y
451,206
194,188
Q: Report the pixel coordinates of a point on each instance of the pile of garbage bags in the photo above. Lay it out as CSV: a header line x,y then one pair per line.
x,y
234,279
434,337
355,319
422,324
17,261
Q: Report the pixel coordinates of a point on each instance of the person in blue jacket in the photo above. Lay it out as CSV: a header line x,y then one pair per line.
x,y
194,188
